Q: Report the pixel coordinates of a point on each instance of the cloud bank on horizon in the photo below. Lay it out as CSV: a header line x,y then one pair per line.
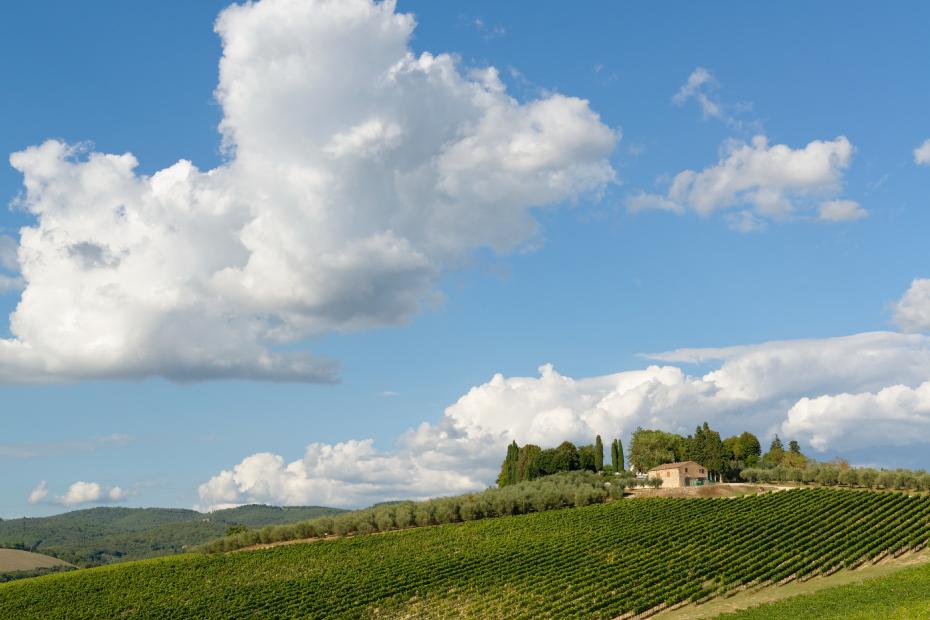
x,y
80,492
333,213
819,391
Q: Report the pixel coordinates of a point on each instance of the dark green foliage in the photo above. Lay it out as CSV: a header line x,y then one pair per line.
x,y
598,454
706,447
104,535
587,458
616,455
563,458
743,450
724,459
649,448
509,468
605,561
776,453
531,461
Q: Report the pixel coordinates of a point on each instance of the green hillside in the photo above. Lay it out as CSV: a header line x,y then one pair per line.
x,y
904,594
103,535
599,561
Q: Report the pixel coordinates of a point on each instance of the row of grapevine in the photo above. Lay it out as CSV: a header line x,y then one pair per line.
x,y
601,561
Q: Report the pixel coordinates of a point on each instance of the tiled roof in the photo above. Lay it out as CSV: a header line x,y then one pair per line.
x,y
676,465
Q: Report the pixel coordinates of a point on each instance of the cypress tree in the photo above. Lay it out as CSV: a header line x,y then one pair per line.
x,y
598,454
620,456
513,453
509,473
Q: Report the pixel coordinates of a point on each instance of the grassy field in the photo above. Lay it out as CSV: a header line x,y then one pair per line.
x,y
904,594
16,560
598,561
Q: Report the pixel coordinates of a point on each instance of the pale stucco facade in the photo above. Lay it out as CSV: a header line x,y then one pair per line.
x,y
683,474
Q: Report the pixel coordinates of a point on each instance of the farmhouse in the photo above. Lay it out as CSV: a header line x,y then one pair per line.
x,y
684,474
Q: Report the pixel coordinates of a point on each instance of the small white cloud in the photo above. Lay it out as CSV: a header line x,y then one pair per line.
x,y
39,493
912,311
703,87
841,211
765,182
922,154
82,492
116,494
388,394
701,83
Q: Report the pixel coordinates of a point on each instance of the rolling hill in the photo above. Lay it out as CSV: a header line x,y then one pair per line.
x,y
102,535
17,560
635,556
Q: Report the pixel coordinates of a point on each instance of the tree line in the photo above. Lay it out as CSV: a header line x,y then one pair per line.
x,y
528,462
724,459
577,488
839,473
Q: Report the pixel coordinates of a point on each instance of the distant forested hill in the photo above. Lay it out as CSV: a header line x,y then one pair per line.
x,y
104,535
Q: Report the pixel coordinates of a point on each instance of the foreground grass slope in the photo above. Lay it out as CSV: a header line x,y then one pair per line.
x,y
902,595
597,561
102,535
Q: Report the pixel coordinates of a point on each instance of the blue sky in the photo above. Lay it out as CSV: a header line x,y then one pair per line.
x,y
596,288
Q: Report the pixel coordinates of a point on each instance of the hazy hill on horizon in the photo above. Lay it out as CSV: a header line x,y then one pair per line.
x,y
102,535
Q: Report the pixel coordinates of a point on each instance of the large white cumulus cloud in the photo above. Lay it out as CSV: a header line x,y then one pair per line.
x,y
893,416
912,311
781,386
357,173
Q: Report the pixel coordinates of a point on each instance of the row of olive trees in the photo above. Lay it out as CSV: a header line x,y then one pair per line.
x,y
557,491
842,475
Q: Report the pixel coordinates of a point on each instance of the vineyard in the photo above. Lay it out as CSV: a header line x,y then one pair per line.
x,y
600,561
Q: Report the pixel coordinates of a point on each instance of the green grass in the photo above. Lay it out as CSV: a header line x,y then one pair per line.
x,y
904,594
597,562
103,535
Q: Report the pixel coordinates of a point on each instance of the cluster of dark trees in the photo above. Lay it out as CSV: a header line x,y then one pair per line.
x,y
723,458
529,462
